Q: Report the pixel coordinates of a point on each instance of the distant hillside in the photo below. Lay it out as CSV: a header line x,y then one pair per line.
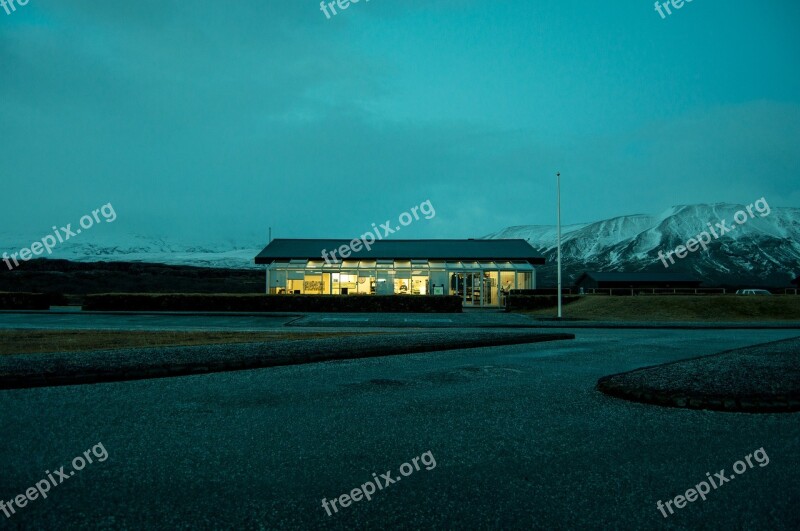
x,y
764,251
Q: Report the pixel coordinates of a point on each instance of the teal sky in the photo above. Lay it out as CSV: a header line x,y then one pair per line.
x,y
220,119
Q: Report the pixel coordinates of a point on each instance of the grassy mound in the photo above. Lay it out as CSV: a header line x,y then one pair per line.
x,y
757,379
705,308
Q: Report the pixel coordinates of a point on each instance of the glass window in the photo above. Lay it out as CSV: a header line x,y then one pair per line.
x,y
347,282
507,281
326,283
491,292
366,283
294,287
277,282
313,284
344,283
402,286
385,283
419,284
523,266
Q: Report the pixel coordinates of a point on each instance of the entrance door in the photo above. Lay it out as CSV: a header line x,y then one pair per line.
x,y
475,289
474,294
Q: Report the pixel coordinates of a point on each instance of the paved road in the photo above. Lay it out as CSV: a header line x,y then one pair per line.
x,y
475,318
520,438
76,320
66,320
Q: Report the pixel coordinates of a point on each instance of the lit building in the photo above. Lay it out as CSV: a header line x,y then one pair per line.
x,y
478,271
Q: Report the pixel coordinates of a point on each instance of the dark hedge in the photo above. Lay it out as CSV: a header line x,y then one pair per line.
x,y
536,302
25,301
198,302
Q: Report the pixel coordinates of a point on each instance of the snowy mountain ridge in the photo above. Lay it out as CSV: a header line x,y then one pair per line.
x,y
764,249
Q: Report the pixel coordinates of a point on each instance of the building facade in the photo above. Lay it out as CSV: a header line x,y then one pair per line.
x,y
481,272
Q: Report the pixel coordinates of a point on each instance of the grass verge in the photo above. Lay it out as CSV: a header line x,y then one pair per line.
x,y
40,341
705,308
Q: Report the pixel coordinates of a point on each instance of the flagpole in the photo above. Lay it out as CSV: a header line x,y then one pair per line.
x,y
558,210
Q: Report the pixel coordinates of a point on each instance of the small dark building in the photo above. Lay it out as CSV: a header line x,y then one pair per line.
x,y
600,280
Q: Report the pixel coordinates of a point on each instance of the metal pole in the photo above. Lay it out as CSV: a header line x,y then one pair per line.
x,y
558,210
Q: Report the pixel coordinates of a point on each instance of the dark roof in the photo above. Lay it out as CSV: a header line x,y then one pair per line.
x,y
636,277
296,249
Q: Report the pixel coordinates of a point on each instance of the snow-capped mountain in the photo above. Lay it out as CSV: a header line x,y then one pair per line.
x,y
763,250
111,246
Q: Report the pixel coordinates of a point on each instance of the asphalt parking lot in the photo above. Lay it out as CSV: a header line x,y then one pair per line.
x,y
520,437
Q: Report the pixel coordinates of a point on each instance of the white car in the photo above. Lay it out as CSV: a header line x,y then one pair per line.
x,y
752,292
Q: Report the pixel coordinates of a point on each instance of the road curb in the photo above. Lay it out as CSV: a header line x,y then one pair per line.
x,y
730,403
